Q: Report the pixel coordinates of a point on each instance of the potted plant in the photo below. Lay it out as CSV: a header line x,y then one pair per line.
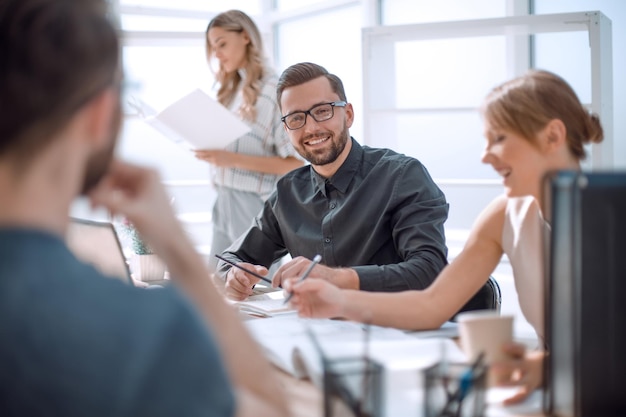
x,y
144,263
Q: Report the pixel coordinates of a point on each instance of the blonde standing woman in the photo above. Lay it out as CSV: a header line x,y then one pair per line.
x,y
533,124
245,171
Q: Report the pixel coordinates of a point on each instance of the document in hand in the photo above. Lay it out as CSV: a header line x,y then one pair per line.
x,y
196,121
265,305
402,356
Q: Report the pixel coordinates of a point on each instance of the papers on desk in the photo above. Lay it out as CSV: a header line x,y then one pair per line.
x,y
447,330
196,121
268,304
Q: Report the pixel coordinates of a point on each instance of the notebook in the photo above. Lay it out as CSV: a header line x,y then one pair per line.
x,y
97,243
268,303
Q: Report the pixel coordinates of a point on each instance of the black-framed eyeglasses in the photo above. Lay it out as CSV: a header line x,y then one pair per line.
x,y
319,113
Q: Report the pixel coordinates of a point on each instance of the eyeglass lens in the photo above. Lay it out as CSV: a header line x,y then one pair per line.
x,y
319,113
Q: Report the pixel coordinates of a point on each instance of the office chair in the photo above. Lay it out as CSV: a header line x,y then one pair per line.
x,y
488,297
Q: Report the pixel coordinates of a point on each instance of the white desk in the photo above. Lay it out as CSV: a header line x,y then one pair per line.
x,y
306,400
403,390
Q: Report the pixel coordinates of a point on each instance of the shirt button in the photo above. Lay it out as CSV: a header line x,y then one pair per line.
x,y
327,240
333,205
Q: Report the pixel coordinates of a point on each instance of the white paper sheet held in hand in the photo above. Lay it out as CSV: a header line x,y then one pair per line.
x,y
196,121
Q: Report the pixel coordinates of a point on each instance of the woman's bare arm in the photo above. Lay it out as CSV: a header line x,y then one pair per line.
x,y
414,310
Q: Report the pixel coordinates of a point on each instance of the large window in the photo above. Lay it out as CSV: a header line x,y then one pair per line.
x,y
436,84
551,54
331,38
164,58
399,12
430,107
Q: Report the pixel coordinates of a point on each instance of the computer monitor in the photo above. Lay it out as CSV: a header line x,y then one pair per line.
x,y
586,294
97,243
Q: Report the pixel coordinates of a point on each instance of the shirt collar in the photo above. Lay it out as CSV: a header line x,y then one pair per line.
x,y
342,178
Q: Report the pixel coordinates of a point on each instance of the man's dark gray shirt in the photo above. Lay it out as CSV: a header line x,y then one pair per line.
x,y
380,214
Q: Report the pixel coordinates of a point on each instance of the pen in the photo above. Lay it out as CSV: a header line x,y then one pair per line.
x,y
465,383
315,261
368,370
254,274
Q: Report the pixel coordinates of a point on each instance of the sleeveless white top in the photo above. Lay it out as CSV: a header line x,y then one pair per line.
x,y
524,238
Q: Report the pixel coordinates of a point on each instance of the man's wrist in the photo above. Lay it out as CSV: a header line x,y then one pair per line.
x,y
348,279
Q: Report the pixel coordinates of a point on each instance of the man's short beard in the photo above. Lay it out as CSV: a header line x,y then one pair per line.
x,y
332,154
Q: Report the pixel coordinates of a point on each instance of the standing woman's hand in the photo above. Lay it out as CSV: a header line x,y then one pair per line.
x,y
217,157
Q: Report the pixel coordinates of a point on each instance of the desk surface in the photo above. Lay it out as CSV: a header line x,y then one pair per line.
x,y
306,400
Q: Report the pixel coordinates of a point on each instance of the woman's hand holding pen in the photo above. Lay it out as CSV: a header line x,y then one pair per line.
x,y
239,283
314,297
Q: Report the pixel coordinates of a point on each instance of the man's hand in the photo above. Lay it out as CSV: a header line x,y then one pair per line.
x,y
340,277
138,194
239,283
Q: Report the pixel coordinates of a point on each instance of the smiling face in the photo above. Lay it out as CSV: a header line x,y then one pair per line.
x,y
229,47
535,123
520,162
324,144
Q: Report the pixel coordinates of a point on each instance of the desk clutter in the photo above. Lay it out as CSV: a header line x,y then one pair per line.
x,y
356,382
345,351
455,389
373,370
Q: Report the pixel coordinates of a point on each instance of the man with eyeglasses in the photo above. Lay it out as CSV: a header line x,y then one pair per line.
x,y
375,216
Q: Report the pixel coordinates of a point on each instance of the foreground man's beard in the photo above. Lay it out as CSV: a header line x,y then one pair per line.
x,y
99,162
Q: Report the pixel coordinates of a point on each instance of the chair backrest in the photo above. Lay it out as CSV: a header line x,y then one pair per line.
x,y
488,297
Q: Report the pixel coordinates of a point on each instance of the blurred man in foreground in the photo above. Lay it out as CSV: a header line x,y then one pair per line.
x,y
74,342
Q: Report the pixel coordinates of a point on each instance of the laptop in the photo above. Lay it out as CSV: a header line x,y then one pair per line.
x,y
97,243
